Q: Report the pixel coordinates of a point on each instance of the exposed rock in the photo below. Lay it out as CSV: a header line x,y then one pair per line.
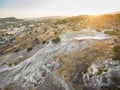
x,y
40,72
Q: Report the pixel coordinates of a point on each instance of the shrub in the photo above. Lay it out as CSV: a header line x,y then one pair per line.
x,y
15,63
56,40
43,42
116,56
56,33
113,32
10,64
116,80
116,50
29,48
3,63
64,21
100,70
17,50
84,68
36,39
111,87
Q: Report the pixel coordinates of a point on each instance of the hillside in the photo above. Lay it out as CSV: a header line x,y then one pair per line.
x,y
61,53
106,21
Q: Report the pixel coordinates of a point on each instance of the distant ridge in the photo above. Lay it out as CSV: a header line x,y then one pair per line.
x,y
9,19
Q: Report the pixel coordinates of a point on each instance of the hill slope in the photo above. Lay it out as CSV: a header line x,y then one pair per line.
x,y
107,21
74,53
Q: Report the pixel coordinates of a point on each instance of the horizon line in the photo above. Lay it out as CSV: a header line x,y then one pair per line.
x,y
42,16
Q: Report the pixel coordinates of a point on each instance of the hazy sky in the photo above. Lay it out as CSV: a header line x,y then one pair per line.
x,y
38,8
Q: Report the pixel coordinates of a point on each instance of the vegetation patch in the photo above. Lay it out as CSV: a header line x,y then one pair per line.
x,y
2,32
29,48
116,80
84,68
10,64
116,50
15,63
100,70
56,40
44,42
17,50
111,87
113,32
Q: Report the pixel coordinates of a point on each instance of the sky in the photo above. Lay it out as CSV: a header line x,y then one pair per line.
x,y
41,8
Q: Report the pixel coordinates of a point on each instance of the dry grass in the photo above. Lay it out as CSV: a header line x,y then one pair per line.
x,y
83,59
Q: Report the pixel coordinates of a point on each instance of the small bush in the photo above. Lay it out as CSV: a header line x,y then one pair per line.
x,y
64,21
29,48
56,40
100,70
43,42
113,32
17,50
111,87
84,68
56,33
116,50
3,63
116,80
116,56
97,73
15,63
10,64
